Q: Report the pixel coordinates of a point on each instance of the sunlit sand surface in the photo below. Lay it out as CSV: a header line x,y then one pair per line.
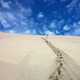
x,y
27,57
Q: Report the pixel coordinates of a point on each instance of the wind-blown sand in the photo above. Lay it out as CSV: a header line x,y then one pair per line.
x,y
29,58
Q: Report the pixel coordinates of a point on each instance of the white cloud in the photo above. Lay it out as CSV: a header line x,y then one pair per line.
x,y
10,16
11,31
77,32
15,18
57,32
52,25
5,23
27,32
33,31
5,4
40,15
79,22
66,28
47,32
72,5
24,11
28,11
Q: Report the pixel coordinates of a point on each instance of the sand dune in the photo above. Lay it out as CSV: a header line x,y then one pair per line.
x,y
29,58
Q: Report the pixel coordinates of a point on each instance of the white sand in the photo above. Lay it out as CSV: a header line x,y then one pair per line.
x,y
29,58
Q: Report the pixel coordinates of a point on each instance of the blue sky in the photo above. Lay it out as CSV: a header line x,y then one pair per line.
x,y
40,17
